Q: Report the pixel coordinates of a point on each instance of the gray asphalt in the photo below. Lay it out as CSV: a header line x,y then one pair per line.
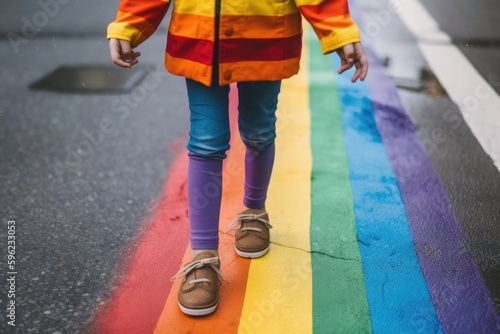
x,y
79,194
474,27
76,205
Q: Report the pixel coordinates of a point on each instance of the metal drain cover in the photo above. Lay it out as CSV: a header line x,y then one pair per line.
x,y
90,79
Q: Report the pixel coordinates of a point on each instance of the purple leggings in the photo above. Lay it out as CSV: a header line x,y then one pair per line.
x,y
205,192
209,140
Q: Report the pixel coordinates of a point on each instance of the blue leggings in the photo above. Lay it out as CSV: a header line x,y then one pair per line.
x,y
210,134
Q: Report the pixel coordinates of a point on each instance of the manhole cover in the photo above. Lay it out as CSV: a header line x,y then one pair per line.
x,y
90,79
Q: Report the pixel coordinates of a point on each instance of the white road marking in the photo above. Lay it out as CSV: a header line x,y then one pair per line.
x,y
477,100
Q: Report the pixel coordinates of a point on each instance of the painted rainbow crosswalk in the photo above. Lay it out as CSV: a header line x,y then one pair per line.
x,y
364,238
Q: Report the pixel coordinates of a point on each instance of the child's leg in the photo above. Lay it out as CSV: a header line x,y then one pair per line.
x,y
257,123
257,117
209,140
258,169
204,198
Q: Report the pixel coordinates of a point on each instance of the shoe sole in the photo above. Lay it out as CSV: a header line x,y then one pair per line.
x,y
252,255
197,312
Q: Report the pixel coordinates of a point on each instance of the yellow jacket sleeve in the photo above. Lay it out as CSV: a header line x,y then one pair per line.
x,y
331,21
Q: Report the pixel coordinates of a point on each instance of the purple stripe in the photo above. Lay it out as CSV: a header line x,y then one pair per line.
x,y
461,299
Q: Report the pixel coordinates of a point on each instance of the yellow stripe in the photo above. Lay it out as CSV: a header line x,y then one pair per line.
x,y
203,8
279,290
264,8
308,2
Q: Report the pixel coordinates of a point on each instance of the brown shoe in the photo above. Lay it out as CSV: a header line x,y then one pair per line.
x,y
252,238
199,292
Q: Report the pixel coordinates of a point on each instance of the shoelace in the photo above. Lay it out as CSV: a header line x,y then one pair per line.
x,y
249,217
211,261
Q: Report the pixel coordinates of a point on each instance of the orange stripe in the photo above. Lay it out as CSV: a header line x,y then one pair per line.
x,y
192,26
258,70
189,69
235,269
336,25
141,28
337,22
324,10
240,71
236,26
152,11
138,22
258,26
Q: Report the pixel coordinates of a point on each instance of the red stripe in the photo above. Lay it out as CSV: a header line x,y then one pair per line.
x,y
151,11
234,50
240,49
198,50
324,10
137,304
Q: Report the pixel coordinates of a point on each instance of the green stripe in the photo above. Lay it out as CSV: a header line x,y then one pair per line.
x,y
339,296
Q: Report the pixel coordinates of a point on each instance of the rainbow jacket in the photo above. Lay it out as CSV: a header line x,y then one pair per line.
x,y
257,39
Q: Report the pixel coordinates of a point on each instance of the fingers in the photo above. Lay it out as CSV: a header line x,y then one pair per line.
x,y
116,53
361,63
126,50
346,54
361,69
353,55
357,74
134,60
122,53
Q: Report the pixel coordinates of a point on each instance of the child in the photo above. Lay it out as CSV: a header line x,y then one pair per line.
x,y
213,43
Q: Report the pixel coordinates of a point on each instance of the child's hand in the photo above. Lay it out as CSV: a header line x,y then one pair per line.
x,y
353,54
122,53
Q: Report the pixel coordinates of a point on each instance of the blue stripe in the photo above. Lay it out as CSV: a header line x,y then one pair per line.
x,y
398,295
